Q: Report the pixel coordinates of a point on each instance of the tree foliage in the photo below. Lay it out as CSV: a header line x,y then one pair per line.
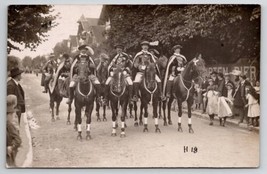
x,y
61,48
28,25
27,62
220,32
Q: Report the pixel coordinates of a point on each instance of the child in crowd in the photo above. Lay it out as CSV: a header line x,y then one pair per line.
x,y
198,98
212,105
253,106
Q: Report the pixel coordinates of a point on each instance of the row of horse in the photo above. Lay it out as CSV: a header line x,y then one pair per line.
x,y
119,98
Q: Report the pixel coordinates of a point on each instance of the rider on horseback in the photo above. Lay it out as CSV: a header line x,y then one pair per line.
x,y
48,70
64,72
122,60
83,59
141,60
175,66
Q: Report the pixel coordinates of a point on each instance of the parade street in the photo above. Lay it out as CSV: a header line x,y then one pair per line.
x,y
55,143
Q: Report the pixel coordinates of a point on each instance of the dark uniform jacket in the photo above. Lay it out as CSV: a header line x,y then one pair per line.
x,y
13,88
240,94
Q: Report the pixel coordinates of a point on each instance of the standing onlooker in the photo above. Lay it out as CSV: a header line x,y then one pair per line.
x,y
204,86
221,85
212,106
253,106
227,81
198,96
257,87
214,77
13,87
13,138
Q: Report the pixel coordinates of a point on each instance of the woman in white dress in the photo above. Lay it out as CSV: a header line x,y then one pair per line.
x,y
212,105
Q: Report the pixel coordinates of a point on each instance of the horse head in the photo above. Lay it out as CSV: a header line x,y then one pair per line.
x,y
102,68
150,76
83,71
118,83
195,68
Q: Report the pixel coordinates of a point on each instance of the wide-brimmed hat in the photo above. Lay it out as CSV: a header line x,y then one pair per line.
x,y
66,56
52,55
236,72
15,72
84,46
220,75
119,46
176,47
243,76
11,103
145,43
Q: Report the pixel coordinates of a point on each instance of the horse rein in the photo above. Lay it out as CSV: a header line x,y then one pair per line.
x,y
88,92
150,92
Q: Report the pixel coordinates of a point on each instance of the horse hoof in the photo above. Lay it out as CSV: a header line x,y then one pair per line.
x,y
170,122
98,119
191,131
180,129
79,137
53,120
68,123
135,124
104,119
145,129
157,130
165,123
88,137
140,123
123,135
113,134
211,123
58,118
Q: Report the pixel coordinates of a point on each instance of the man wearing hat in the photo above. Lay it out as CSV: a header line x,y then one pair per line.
x,y
174,67
83,57
228,80
122,60
240,97
141,60
12,134
14,88
48,71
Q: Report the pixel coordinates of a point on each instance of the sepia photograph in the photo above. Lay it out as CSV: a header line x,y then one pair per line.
x,y
133,86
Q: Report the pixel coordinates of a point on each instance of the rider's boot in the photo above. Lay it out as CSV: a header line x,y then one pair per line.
x,y
168,89
71,95
98,92
130,93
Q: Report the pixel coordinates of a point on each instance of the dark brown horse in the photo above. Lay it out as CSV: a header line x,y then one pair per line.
x,y
182,90
119,98
102,75
55,97
84,96
149,93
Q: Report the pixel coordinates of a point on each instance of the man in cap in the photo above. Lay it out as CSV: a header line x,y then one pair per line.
x,y
174,67
141,60
14,88
83,57
122,60
48,70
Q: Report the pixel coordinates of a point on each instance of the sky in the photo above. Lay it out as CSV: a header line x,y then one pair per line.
x,y
67,25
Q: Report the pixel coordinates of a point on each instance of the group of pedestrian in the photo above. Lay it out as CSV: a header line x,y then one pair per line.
x,y
220,96
15,108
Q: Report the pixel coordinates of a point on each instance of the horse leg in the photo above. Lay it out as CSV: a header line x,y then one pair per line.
x,y
79,121
169,110
189,104
113,134
69,111
104,113
145,117
88,112
141,114
131,110
160,110
52,105
155,114
179,116
164,104
57,109
135,115
97,111
123,124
